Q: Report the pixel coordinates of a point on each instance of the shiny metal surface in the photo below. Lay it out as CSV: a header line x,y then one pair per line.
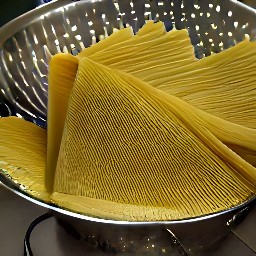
x,y
49,238
198,236
10,184
26,44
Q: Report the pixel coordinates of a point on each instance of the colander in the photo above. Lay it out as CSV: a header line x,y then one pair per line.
x,y
26,45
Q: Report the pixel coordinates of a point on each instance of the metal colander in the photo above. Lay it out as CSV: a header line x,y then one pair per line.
x,y
68,25
26,44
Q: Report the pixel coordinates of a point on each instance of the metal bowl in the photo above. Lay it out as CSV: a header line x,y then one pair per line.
x,y
25,46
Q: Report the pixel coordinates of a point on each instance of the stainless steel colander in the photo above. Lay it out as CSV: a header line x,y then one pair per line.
x,y
66,25
26,45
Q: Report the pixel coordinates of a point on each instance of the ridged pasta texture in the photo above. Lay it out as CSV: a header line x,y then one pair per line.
x,y
23,154
222,85
123,142
123,36
138,129
62,74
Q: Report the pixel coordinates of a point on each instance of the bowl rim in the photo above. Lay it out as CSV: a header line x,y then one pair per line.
x,y
10,185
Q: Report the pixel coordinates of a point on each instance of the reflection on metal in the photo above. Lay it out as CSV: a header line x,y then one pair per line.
x,y
66,25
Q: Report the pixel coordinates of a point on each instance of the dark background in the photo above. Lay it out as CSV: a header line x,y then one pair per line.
x,y
10,9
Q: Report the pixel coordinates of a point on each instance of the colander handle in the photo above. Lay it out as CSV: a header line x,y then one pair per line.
x,y
27,248
176,241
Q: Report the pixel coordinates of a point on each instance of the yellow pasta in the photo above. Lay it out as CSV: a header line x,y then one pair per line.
x,y
138,129
21,158
62,74
123,142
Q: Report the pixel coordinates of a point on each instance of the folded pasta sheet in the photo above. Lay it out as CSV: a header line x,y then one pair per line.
x,y
23,154
125,36
222,85
62,74
123,142
140,130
